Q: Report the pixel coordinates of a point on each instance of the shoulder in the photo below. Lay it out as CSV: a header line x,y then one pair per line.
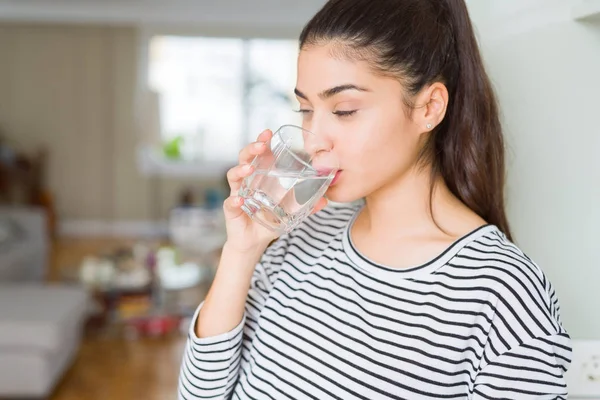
x,y
526,305
493,254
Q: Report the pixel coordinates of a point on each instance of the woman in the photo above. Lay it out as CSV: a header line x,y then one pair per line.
x,y
415,293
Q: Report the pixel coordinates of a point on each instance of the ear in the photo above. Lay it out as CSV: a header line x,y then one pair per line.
x,y
432,103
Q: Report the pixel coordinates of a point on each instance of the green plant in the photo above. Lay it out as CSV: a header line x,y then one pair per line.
x,y
172,148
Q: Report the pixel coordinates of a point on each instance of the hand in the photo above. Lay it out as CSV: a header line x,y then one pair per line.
x,y
244,234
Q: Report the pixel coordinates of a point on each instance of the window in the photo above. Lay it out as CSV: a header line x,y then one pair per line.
x,y
217,94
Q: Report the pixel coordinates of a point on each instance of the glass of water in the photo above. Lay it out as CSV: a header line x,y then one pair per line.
x,y
289,178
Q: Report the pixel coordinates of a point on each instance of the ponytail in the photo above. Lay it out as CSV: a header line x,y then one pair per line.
x,y
469,145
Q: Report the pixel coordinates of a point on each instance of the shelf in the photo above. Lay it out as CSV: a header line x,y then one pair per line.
x,y
150,163
586,10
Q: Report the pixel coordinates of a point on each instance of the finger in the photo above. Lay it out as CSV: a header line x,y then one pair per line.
x,y
232,207
236,175
321,204
265,136
248,153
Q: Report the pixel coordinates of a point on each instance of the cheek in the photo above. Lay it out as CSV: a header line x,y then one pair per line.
x,y
382,141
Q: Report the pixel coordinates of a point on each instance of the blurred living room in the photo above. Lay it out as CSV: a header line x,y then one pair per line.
x,y
120,118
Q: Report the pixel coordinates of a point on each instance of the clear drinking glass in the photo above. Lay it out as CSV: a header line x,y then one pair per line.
x,y
289,178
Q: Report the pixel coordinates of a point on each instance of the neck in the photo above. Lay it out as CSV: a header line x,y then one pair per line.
x,y
404,207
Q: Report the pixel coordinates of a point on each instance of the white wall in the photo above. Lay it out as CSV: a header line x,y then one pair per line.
x,y
548,81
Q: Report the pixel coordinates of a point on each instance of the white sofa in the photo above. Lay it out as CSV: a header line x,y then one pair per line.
x,y
40,333
40,324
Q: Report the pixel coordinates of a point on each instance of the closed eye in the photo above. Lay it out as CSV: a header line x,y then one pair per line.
x,y
303,111
345,113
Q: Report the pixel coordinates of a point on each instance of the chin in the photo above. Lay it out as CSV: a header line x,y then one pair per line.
x,y
339,194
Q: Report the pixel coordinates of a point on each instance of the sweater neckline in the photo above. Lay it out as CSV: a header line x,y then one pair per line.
x,y
427,268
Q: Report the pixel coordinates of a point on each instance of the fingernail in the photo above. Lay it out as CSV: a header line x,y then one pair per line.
x,y
259,145
247,168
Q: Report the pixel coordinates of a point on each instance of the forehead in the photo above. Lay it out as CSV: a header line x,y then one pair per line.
x,y
323,66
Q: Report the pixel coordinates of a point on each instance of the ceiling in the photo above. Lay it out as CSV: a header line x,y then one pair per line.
x,y
254,12
283,16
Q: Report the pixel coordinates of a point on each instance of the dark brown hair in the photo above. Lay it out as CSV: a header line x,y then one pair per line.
x,y
422,42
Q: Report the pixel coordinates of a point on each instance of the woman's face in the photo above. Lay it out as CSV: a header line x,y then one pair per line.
x,y
361,117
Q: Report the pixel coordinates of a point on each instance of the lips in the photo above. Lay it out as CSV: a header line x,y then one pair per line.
x,y
335,178
327,172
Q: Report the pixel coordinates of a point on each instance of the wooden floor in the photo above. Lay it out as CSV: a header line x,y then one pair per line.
x,y
115,369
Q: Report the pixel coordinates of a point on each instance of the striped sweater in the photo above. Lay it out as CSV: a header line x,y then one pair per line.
x,y
481,321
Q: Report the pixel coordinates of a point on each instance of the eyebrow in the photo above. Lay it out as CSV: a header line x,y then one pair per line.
x,y
332,92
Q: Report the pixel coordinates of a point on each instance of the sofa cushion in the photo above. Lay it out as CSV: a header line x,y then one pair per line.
x,y
20,262
24,244
10,231
39,316
34,374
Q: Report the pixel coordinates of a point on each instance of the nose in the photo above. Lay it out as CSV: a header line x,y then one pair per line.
x,y
314,144
316,141
319,147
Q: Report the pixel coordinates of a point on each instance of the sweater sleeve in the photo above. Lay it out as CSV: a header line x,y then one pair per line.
x,y
533,370
210,366
527,351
